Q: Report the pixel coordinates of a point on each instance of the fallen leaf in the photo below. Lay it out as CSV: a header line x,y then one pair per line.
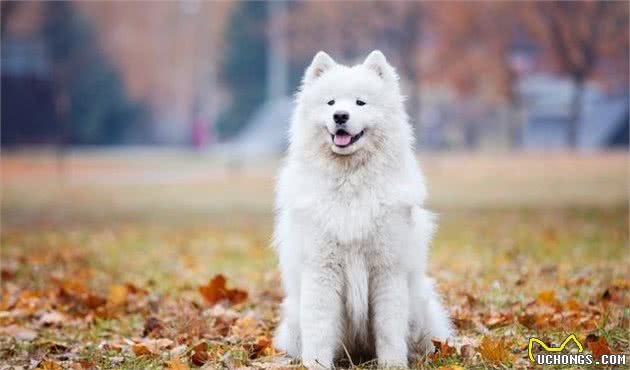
x,y
54,347
547,297
467,352
494,351
85,365
74,287
613,294
462,319
442,349
151,327
141,350
598,346
572,304
495,320
93,301
245,327
132,289
177,364
222,325
199,354
7,273
215,291
262,347
49,365
117,294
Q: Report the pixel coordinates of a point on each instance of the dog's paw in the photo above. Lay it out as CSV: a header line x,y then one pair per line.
x,y
287,340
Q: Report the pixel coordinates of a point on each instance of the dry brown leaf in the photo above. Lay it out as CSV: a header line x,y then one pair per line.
x,y
132,289
442,349
93,301
451,367
152,327
74,287
177,364
141,350
215,291
222,325
84,365
572,305
199,354
598,346
262,347
53,346
200,347
497,319
467,352
547,297
613,294
494,351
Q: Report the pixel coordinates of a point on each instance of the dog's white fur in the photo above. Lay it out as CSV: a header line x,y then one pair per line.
x,y
351,231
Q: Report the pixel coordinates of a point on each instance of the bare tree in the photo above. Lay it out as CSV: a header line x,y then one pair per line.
x,y
577,35
472,52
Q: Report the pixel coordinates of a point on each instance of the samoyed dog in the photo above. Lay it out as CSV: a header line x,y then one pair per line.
x,y
351,232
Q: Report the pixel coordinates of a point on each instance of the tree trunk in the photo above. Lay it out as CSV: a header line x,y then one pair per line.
x,y
409,44
575,113
471,134
517,125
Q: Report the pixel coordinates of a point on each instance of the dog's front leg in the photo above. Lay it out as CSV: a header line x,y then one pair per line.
x,y
320,315
390,300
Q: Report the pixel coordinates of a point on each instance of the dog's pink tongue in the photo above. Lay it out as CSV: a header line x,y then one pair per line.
x,y
342,139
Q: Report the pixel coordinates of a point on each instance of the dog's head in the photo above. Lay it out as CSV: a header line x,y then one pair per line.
x,y
345,111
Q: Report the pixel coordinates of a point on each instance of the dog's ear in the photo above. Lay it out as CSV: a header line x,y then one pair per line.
x,y
320,64
377,62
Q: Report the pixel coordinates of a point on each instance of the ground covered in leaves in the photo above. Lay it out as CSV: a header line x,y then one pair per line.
x,y
165,263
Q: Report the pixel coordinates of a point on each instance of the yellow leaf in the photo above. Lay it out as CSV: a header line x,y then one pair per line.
x,y
547,297
117,294
141,350
177,364
494,351
49,365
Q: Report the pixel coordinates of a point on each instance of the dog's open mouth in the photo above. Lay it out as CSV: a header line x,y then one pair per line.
x,y
342,138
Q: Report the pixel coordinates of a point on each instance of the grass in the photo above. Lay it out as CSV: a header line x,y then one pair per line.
x,y
527,245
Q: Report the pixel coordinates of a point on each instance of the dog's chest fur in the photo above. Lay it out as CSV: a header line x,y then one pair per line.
x,y
350,210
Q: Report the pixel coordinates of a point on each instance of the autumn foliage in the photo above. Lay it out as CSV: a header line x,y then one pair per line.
x,y
114,290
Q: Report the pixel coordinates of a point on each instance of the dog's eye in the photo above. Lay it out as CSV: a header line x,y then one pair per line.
x,y
360,102
332,102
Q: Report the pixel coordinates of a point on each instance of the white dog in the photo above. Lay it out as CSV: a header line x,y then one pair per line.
x,y
351,232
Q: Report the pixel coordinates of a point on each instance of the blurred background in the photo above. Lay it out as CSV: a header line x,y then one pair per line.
x,y
145,108
218,76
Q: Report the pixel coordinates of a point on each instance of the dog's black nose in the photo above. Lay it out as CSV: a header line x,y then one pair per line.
x,y
341,117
